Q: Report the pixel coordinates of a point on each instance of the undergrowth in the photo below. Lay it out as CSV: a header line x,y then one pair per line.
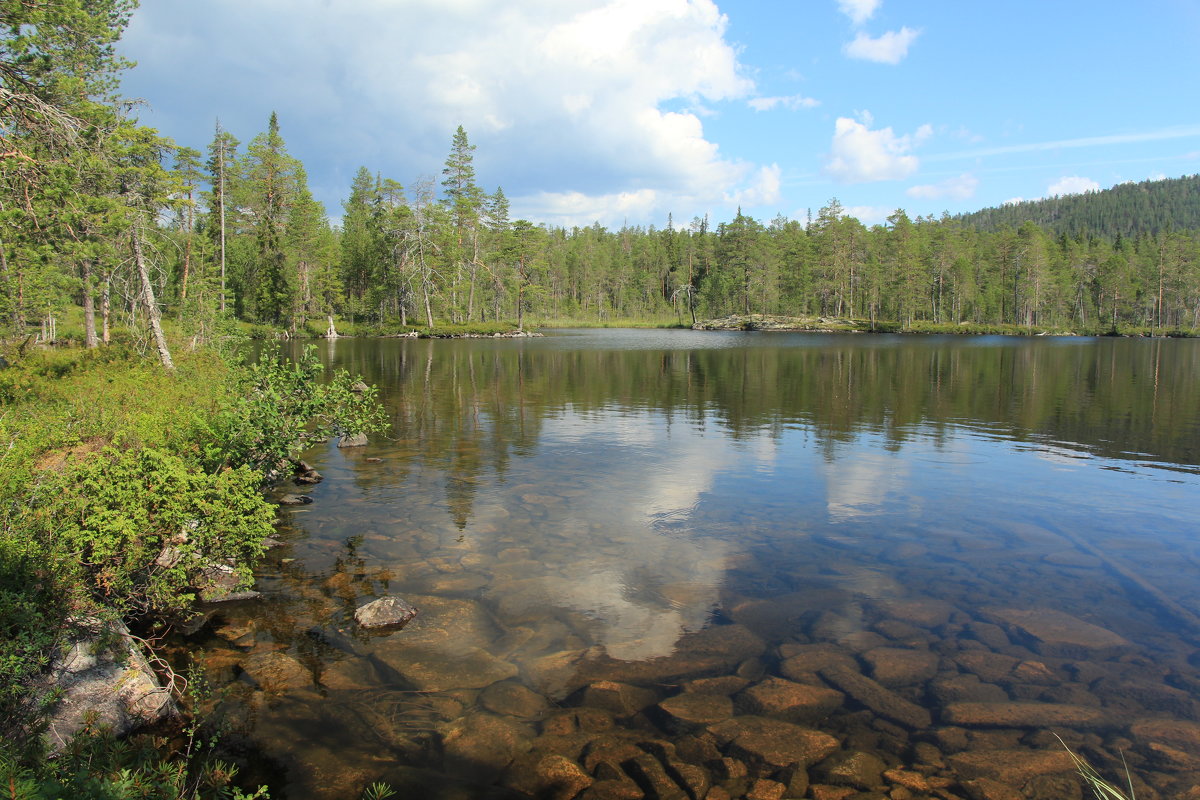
x,y
120,485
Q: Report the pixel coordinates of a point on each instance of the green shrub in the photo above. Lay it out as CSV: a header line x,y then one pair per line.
x,y
280,404
116,512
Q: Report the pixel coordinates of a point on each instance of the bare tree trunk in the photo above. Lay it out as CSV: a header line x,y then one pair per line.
x,y
89,307
187,262
106,310
16,311
152,312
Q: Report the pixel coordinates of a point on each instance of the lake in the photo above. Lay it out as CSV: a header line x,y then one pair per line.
x,y
683,564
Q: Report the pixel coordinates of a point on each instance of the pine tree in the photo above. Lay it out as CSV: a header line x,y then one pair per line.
x,y
465,201
272,178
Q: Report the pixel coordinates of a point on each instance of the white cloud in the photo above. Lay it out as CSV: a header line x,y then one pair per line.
x,y
859,11
562,99
859,154
1162,134
961,187
890,48
1073,184
793,102
870,215
1012,201
577,208
763,190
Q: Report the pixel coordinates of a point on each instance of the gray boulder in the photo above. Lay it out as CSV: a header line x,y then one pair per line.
x,y
103,677
386,612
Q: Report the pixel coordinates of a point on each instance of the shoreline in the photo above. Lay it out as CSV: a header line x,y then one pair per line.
x,y
766,323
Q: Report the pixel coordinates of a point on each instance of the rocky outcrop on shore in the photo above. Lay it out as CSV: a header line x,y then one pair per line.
x,y
767,322
102,679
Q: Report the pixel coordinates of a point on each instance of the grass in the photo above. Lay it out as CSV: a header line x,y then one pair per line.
x,y
1100,787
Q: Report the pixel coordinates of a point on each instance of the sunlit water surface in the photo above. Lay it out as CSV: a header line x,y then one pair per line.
x,y
967,523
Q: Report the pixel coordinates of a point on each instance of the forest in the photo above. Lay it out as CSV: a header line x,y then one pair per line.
x,y
103,216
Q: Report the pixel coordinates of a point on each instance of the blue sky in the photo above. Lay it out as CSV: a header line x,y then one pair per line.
x,y
627,110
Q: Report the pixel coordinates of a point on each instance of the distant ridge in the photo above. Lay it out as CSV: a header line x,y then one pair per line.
x,y
1127,210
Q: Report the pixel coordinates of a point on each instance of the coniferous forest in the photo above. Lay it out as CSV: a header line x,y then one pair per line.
x,y
102,214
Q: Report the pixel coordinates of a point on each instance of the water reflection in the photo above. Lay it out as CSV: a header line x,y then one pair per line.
x,y
759,512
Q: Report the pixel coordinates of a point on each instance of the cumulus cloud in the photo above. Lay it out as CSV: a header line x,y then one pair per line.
x,y
860,155
763,190
889,48
961,187
563,99
870,215
793,102
859,11
1072,184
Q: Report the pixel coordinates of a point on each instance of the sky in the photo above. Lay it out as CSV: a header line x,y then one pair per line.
x,y
643,111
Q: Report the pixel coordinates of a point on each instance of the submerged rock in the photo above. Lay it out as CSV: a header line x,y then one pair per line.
x,y
104,679
1024,715
622,699
386,612
1059,635
1013,767
514,700
295,500
552,776
778,744
855,768
715,650
220,583
790,701
687,710
436,670
1176,732
277,672
896,666
802,662
480,746
878,698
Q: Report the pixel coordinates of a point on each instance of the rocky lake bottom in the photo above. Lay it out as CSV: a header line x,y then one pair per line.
x,y
625,606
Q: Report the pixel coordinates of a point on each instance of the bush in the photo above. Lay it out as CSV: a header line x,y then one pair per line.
x,y
142,524
107,462
281,404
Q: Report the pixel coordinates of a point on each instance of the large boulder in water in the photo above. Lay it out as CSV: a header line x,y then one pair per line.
x,y
386,612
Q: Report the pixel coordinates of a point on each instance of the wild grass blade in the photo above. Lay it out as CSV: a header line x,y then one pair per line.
x,y
1102,788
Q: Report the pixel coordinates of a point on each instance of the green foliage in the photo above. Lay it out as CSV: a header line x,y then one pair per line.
x,y
108,462
34,602
281,405
116,512
95,764
1126,210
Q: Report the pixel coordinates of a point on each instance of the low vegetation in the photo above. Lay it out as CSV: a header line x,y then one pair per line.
x,y
120,482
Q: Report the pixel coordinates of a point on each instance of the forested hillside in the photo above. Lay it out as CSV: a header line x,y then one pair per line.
x,y
102,214
1127,210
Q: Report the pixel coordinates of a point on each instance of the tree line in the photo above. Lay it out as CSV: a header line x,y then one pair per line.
x,y
101,213
1127,209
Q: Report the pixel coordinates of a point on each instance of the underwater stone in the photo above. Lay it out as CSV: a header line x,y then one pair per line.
x,y
386,612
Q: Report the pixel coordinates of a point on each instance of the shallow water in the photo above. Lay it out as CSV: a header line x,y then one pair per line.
x,y
933,552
